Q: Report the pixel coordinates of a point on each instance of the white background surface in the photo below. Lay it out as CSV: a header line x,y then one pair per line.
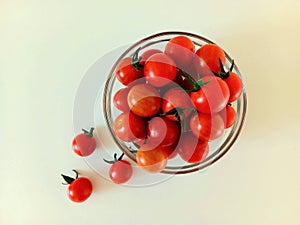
x,y
47,46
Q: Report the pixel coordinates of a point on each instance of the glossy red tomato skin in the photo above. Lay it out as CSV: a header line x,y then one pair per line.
x,y
145,56
141,80
84,145
171,150
152,160
175,84
228,115
80,189
207,127
235,86
191,149
181,49
129,127
120,172
200,67
210,54
126,73
176,98
120,99
144,100
162,131
160,70
213,97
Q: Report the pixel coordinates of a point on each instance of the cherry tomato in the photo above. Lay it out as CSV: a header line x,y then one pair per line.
x,y
212,97
120,171
207,127
128,127
191,149
144,100
84,144
162,131
181,49
210,55
151,159
228,115
160,70
235,86
126,73
176,98
79,189
120,99
147,54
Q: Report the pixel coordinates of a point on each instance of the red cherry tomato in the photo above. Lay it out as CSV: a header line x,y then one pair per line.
x,y
210,55
212,97
192,149
235,86
162,131
181,49
144,100
207,127
228,115
160,70
147,54
126,73
120,99
176,98
79,189
120,171
128,127
151,159
84,144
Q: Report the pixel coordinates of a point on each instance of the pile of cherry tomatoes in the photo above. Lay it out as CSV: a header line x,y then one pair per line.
x,y
174,101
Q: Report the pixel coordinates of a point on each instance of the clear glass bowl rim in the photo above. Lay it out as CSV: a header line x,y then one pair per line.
x,y
220,152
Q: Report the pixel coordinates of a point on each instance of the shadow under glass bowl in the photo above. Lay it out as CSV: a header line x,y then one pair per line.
x,y
220,148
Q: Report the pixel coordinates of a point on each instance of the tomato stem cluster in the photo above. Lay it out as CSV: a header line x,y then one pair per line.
x,y
197,85
223,74
116,159
89,133
68,179
136,59
179,115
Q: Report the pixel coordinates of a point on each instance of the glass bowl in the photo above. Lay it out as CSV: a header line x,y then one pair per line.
x,y
218,148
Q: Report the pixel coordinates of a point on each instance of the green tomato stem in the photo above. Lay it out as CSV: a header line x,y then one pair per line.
x,y
223,74
68,179
89,133
136,59
116,159
197,85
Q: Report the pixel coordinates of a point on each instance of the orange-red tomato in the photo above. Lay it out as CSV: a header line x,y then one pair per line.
x,y
144,100
160,70
151,159
181,49
209,55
